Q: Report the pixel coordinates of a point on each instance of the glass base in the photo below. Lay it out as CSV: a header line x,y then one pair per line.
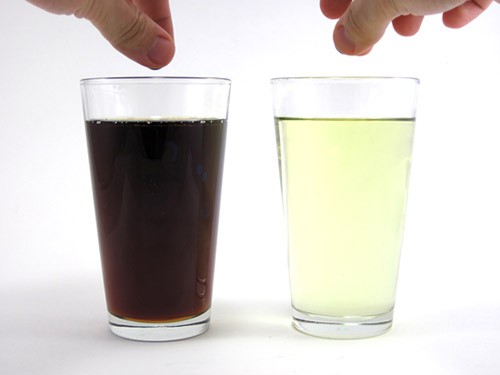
x,y
342,328
161,331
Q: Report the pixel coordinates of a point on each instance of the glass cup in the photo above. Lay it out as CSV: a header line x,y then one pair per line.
x,y
344,149
156,152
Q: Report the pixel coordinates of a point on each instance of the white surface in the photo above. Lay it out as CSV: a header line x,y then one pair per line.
x,y
52,310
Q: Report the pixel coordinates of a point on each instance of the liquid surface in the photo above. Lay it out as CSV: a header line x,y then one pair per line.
x,y
156,193
344,190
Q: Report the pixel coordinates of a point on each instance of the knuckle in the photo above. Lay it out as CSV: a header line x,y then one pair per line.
x,y
393,8
88,9
131,32
124,28
357,25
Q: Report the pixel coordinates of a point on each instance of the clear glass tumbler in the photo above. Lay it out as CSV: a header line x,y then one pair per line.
x,y
344,148
156,152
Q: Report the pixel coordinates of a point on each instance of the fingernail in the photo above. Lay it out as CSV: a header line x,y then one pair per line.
x,y
343,43
161,52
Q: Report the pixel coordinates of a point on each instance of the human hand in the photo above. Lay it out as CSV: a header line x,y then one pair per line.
x,y
140,29
362,23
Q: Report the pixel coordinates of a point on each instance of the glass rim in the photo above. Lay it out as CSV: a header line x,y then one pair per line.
x,y
153,80
342,79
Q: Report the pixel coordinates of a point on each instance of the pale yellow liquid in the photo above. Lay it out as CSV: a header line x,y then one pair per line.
x,y
344,190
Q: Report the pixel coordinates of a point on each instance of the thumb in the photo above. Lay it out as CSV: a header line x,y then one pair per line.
x,y
362,25
130,31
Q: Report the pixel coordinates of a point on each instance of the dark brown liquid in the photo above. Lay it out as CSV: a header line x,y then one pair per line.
x,y
156,193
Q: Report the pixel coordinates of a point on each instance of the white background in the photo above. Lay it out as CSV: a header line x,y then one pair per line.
x,y
52,311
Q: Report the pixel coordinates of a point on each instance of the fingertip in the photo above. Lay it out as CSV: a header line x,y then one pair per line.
x,y
161,53
334,9
344,43
464,14
407,25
